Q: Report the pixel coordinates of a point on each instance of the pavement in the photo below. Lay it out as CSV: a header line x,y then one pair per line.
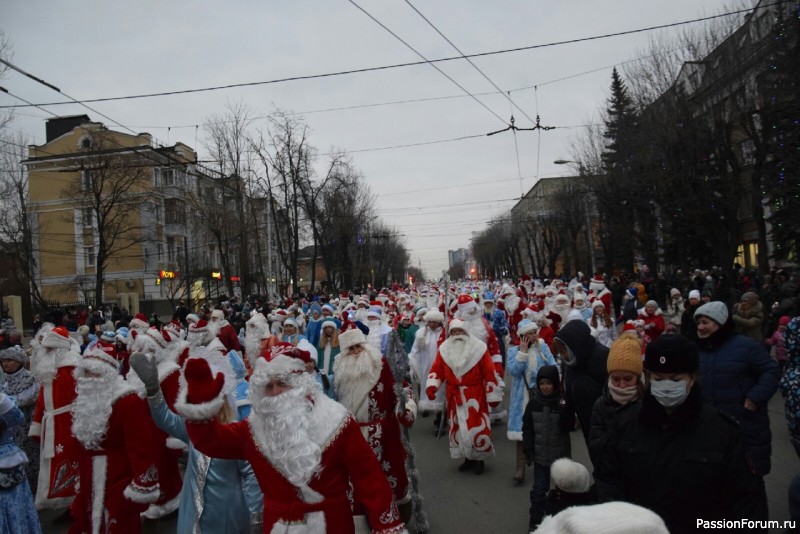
x,y
467,503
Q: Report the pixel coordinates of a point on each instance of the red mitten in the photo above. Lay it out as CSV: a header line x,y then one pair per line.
x,y
431,393
202,386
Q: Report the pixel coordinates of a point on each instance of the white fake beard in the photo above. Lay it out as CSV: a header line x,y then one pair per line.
x,y
361,315
213,330
457,352
285,420
92,409
512,303
356,375
194,339
474,325
252,346
43,364
563,311
374,336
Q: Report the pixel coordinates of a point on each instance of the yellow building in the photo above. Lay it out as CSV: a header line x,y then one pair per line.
x,y
90,186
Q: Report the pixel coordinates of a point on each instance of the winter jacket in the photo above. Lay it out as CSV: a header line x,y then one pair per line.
x,y
608,416
683,466
558,501
688,324
777,340
657,322
790,382
583,381
546,425
733,368
749,324
524,378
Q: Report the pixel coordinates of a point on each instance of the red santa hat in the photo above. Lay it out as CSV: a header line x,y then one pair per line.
x,y
287,349
597,284
280,316
57,338
466,302
100,360
200,327
140,321
175,328
162,339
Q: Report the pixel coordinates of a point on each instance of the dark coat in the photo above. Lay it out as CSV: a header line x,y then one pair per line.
x,y
683,466
558,501
584,381
688,324
733,368
607,417
546,424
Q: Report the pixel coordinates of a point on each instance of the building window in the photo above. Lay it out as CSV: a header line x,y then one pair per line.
x,y
88,217
174,211
171,249
89,256
171,177
86,180
160,251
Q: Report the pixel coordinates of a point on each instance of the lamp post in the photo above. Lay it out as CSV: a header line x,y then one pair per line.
x,y
589,233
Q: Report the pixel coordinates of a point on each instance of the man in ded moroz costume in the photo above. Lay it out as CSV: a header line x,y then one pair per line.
x,y
465,366
305,449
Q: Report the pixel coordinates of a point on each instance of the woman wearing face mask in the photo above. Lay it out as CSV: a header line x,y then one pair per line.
x,y
620,400
679,457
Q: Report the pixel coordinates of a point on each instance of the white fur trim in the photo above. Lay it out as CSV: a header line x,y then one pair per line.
x,y
474,350
411,406
309,495
312,523
570,476
157,511
6,404
433,382
176,444
99,467
514,435
204,411
351,337
494,393
497,358
35,430
151,495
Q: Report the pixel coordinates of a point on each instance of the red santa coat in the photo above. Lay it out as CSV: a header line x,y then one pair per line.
x,y
118,479
52,426
227,335
380,425
653,324
323,505
471,383
492,346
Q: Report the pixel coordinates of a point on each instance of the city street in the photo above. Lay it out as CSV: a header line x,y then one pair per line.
x,y
467,503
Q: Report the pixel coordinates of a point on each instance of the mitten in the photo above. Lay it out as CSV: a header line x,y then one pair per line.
x,y
202,386
431,393
147,371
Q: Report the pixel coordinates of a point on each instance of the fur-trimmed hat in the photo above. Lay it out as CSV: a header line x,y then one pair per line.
x,y
57,338
615,517
456,323
351,337
140,321
570,476
434,315
161,338
526,326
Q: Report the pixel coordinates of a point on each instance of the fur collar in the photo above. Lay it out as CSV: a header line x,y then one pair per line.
x,y
460,364
68,359
643,312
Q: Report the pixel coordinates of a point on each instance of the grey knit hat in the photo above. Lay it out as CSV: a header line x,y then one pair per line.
x,y
714,310
15,353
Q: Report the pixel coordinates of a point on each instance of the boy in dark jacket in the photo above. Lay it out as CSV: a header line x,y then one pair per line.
x,y
546,425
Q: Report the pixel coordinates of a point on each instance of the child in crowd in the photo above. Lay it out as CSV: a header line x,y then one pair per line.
x,y
777,343
573,486
546,425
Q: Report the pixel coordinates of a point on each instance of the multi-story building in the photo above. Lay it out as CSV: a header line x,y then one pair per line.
x,y
149,208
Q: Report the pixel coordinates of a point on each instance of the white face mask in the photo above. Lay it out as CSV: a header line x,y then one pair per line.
x,y
669,393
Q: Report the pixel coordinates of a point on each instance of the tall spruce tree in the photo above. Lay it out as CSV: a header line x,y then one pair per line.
x,y
781,117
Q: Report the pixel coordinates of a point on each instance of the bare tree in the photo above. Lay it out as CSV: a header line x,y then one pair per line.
x,y
16,231
113,184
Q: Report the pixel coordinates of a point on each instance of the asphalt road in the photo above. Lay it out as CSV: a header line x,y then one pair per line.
x,y
466,503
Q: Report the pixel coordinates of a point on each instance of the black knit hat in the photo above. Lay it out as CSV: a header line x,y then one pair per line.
x,y
671,353
548,372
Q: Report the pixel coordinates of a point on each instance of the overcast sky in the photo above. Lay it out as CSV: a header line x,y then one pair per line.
x,y
435,194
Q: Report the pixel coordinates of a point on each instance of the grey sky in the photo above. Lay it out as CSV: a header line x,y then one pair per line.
x,y
97,49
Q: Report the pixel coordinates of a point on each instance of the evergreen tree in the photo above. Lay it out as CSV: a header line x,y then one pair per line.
x,y
619,125
781,118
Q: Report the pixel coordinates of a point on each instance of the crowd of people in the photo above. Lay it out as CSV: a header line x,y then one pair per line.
x,y
293,416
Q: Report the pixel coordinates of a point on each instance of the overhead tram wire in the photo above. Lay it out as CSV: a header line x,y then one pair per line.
x,y
500,91
415,63
432,64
